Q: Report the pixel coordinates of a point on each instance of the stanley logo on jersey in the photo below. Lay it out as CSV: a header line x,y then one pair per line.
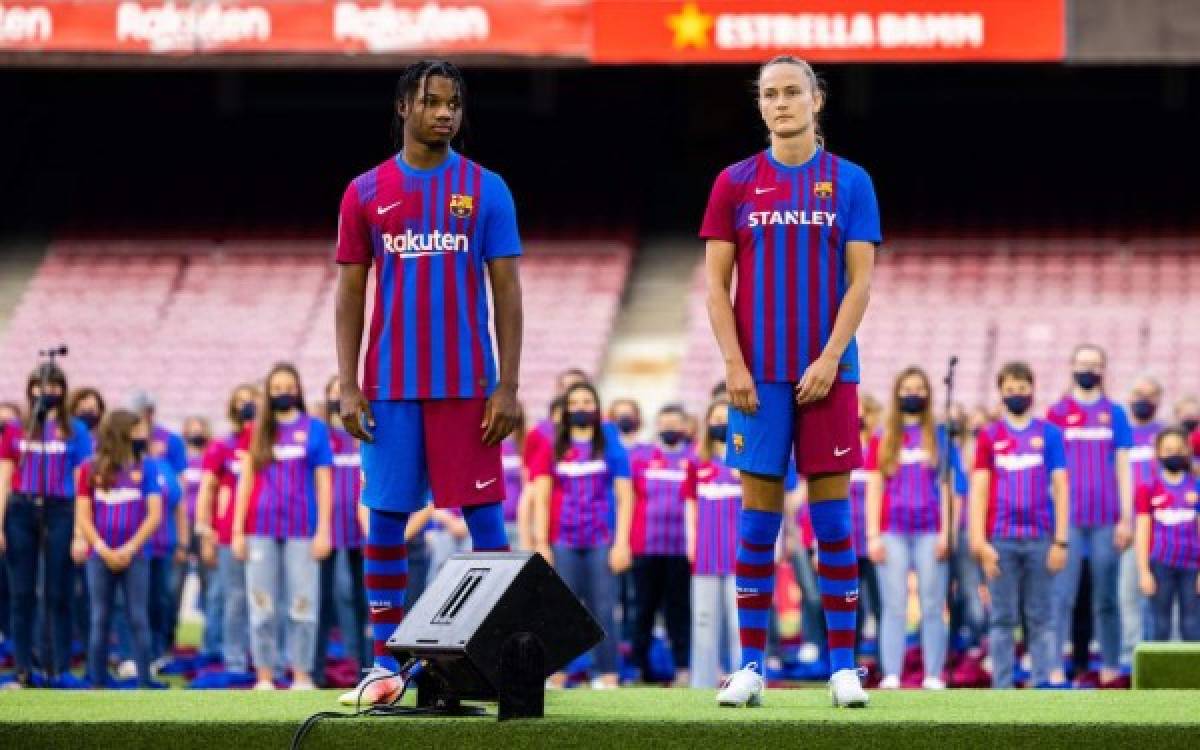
x,y
823,189
461,206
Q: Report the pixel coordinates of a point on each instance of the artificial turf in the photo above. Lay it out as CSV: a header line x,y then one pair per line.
x,y
1166,665
628,718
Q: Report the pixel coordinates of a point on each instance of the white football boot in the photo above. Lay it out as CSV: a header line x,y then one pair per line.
x,y
846,690
742,688
379,687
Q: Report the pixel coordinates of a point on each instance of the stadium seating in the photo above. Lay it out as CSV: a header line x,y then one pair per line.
x,y
991,300
187,319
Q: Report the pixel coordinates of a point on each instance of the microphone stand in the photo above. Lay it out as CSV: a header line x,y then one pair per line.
x,y
946,486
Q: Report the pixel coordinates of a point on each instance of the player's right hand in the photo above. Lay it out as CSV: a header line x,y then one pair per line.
x,y
355,412
742,393
989,560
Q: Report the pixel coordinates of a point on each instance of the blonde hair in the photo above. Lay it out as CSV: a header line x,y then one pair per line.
x,y
813,81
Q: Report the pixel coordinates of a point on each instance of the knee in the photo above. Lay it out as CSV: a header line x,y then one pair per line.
x,y
262,605
302,609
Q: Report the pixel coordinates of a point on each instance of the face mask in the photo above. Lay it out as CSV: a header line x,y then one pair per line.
x,y
1087,380
912,404
333,407
284,402
957,429
89,418
1018,405
139,447
247,411
628,425
582,418
670,438
197,441
50,400
1190,425
1143,409
1175,462
718,432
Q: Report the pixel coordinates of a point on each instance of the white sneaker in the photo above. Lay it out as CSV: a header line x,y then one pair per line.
x,y
302,685
599,683
933,683
742,688
157,665
846,691
127,669
379,688
264,685
890,682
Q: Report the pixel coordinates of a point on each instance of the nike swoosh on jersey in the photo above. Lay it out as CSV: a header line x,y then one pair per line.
x,y
481,485
839,452
760,191
381,210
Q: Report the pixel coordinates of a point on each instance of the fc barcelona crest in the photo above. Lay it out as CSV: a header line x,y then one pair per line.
x,y
1192,497
739,442
1036,442
823,189
462,206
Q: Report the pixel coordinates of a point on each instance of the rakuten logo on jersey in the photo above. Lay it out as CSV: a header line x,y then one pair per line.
x,y
413,245
167,28
386,27
25,24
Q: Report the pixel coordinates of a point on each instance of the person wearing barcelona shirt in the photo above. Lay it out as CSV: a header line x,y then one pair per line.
x,y
1168,538
1145,398
1018,526
431,408
798,226
1097,436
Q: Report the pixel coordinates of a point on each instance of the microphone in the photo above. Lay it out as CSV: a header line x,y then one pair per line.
x,y
54,351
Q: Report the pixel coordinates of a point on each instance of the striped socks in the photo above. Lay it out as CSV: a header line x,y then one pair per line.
x,y
385,567
837,577
755,580
486,524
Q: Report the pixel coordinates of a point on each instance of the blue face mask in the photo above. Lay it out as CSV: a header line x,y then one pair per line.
x,y
284,402
628,425
89,418
139,446
670,438
247,411
581,418
1018,405
718,432
1175,462
1143,409
1087,380
913,405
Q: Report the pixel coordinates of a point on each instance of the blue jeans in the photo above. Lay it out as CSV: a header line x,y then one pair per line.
x,y
1103,559
907,552
207,601
968,618
343,601
102,587
235,623
586,573
1175,585
158,607
282,580
22,527
1023,582
812,616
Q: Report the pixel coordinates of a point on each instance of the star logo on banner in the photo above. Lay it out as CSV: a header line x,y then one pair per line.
x,y
690,26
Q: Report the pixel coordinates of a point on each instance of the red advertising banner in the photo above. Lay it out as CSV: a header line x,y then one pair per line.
x,y
560,28
683,31
605,31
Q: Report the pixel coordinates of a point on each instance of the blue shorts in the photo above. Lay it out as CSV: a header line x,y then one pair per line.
x,y
823,436
423,446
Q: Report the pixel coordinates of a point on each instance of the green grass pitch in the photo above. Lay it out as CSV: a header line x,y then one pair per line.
x,y
630,718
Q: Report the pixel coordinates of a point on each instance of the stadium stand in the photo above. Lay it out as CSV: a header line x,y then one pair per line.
x,y
991,300
188,319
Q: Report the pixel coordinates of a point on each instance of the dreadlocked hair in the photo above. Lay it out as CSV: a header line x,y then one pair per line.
x,y
412,80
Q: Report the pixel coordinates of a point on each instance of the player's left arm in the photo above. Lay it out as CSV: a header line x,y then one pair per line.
x,y
822,372
502,411
501,251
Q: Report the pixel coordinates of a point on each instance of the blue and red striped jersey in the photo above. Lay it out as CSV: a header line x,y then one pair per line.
x,y
1174,534
911,496
347,489
790,226
1022,463
510,458
1142,461
47,464
428,234
119,510
659,477
1092,434
284,503
717,491
166,535
582,500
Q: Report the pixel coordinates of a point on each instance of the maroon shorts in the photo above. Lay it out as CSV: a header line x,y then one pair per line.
x,y
435,445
